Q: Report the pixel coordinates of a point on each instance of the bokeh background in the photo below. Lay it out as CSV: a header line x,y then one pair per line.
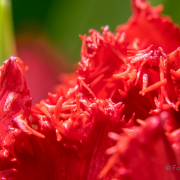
x,y
45,33
62,21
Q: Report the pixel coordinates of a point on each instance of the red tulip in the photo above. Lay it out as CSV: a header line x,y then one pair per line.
x,y
126,87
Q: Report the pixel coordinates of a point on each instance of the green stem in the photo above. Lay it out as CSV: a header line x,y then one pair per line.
x,y
7,42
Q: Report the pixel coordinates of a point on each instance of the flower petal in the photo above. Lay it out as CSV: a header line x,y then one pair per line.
x,y
148,26
144,154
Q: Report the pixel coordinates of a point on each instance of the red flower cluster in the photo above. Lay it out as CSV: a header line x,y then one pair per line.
x,y
127,87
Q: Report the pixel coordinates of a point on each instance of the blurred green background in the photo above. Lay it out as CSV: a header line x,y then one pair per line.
x,y
62,21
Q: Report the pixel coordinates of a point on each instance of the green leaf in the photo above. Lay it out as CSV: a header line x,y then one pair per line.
x,y
7,45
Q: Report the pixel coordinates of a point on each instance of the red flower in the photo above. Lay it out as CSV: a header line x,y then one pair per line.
x,y
15,109
123,79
